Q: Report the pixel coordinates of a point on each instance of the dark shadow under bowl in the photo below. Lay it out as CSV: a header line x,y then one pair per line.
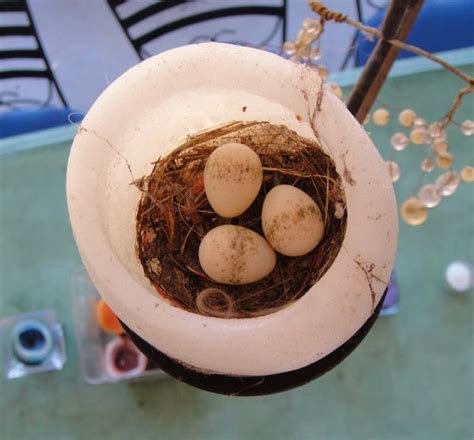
x,y
253,385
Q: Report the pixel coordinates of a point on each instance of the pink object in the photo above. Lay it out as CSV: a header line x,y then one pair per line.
x,y
122,359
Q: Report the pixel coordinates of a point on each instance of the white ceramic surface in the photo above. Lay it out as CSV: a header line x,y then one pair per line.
x,y
147,112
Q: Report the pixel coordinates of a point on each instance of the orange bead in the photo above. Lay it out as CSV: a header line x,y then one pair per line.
x,y
407,117
413,211
107,319
444,161
381,116
467,174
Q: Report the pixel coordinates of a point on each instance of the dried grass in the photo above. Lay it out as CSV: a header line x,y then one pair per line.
x,y
174,215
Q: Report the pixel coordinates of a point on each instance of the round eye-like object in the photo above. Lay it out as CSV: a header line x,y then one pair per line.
x,y
122,359
32,341
181,96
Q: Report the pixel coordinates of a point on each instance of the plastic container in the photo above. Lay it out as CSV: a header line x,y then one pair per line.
x,y
32,343
101,355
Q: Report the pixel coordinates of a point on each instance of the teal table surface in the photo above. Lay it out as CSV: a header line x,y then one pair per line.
x,y
411,378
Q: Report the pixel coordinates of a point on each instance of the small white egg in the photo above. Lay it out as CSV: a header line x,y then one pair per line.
x,y
232,254
291,221
232,179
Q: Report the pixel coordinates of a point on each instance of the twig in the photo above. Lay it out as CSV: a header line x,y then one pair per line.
x,y
448,117
328,15
434,58
367,88
296,173
397,24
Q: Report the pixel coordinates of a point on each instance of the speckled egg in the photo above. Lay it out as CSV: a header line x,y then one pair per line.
x,y
232,254
232,179
291,221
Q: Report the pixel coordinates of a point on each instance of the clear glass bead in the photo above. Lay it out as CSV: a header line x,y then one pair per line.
x,y
440,146
444,161
295,58
305,53
305,38
407,117
311,26
467,174
399,141
448,182
430,195
315,54
427,165
315,32
419,123
381,116
436,131
289,47
413,212
393,170
468,127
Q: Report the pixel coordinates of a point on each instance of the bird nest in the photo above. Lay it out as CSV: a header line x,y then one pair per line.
x,y
174,215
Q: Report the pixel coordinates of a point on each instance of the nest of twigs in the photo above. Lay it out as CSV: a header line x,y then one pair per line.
x,y
174,215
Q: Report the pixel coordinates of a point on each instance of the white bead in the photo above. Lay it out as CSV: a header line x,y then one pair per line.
x,y
459,276
468,127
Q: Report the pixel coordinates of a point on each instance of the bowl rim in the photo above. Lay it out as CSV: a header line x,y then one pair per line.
x,y
254,385
332,310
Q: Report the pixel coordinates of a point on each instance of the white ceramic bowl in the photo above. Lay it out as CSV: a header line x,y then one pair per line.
x,y
147,112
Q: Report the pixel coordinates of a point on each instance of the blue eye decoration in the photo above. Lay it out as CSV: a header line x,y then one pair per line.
x,y
32,341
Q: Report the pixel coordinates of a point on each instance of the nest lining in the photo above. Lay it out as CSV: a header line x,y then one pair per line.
x,y
174,215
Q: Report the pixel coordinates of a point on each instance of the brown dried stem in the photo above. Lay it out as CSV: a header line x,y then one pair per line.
x,y
397,24
329,15
447,119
